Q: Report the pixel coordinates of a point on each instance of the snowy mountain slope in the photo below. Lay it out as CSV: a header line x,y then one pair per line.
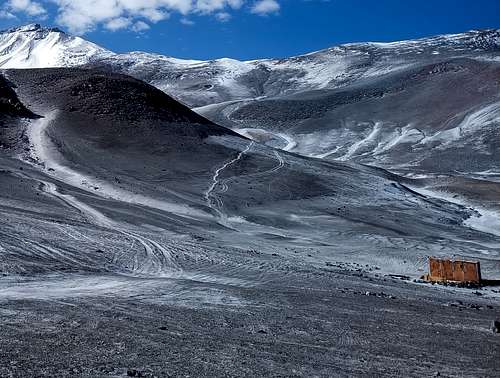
x,y
396,105
32,46
435,118
198,83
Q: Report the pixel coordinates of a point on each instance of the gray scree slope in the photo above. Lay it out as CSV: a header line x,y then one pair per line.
x,y
138,237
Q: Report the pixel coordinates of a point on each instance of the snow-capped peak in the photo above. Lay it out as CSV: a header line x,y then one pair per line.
x,y
198,82
32,46
24,28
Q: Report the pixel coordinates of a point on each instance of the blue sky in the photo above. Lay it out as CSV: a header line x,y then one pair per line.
x,y
247,29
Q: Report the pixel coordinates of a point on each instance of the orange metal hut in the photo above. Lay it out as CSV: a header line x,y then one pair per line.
x,y
441,270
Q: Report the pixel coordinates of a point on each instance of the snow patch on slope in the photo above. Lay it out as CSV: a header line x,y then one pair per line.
x,y
479,119
485,220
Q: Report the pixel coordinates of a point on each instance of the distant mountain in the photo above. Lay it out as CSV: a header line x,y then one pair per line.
x,y
418,106
441,118
32,46
198,83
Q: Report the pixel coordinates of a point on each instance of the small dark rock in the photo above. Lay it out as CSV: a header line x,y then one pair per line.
x,y
133,373
495,326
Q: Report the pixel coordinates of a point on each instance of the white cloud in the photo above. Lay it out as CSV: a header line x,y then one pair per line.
x,y
140,26
265,7
118,23
209,6
81,16
6,15
31,8
186,21
223,16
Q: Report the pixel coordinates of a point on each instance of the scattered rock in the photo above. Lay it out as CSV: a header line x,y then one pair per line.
x,y
399,277
495,326
133,373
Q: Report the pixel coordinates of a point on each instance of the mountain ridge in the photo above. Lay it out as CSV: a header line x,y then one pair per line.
x,y
203,82
481,33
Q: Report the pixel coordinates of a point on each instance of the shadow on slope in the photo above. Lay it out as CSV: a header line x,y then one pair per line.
x,y
12,111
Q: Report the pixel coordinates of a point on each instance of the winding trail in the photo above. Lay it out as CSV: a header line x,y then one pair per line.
x,y
290,142
210,195
45,153
280,165
144,257
157,261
